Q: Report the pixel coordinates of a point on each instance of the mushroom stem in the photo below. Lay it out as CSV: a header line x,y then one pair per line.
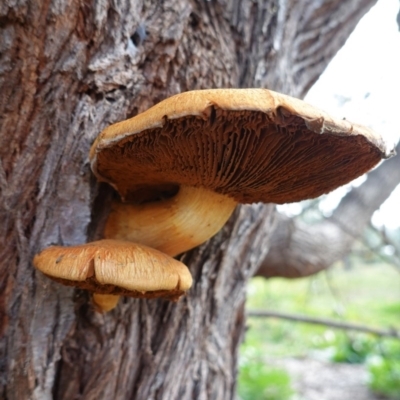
x,y
105,302
172,226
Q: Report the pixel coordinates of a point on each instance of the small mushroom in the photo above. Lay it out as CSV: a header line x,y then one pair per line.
x,y
110,268
183,165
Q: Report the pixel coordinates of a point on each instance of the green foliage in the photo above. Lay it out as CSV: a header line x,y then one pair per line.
x,y
391,309
382,357
368,295
258,381
353,350
384,370
385,378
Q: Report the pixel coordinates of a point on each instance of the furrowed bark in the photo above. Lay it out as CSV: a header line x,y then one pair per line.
x,y
67,70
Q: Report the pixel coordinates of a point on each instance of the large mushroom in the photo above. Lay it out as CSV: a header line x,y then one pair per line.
x,y
183,165
110,268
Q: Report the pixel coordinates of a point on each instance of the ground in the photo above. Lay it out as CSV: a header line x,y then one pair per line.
x,y
321,380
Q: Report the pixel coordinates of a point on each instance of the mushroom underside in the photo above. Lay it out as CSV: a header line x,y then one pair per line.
x,y
92,285
246,155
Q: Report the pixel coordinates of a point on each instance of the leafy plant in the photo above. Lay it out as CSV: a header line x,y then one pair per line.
x,y
258,381
384,372
382,358
353,350
364,294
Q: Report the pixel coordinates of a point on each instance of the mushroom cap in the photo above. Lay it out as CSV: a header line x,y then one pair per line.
x,y
116,267
250,144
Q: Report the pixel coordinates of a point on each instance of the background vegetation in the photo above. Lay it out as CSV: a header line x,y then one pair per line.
x,y
364,289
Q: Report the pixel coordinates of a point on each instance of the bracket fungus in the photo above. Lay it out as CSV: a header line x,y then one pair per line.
x,y
183,165
110,268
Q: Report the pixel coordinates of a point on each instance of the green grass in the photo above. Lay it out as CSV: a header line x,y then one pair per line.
x,y
385,378
258,381
368,295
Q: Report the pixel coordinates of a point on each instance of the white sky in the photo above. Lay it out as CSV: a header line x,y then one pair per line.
x,y
362,84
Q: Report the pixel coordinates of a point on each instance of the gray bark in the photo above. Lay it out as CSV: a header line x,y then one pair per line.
x,y
67,70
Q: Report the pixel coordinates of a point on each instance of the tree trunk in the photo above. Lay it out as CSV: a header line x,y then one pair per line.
x,y
298,249
67,70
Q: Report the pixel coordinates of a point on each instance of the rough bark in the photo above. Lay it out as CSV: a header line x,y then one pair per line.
x,y
298,249
67,70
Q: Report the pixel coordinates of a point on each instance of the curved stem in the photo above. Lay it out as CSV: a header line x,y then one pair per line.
x,y
172,226
105,302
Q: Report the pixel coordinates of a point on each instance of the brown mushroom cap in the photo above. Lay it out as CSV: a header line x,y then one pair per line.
x,y
116,267
249,144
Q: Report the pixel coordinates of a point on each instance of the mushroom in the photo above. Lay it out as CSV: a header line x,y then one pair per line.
x,y
110,268
183,165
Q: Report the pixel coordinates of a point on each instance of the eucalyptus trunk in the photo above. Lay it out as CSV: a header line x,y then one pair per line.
x,y
69,68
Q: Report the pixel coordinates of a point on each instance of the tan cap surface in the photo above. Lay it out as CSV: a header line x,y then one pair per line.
x,y
250,144
115,267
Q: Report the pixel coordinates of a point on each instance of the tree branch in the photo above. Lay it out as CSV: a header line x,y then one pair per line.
x,y
323,321
299,250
